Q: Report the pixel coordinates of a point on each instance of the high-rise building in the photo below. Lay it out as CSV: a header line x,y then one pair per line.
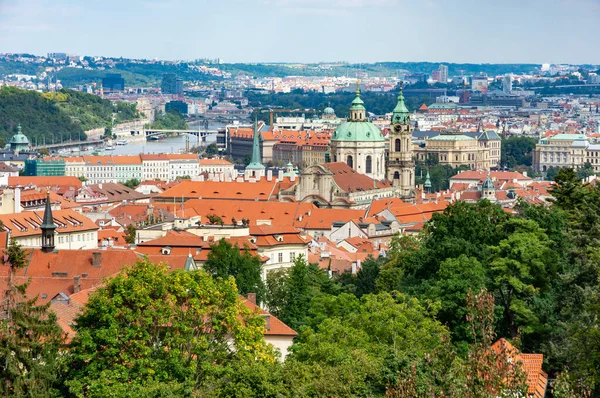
x,y
443,73
507,83
113,82
401,165
171,84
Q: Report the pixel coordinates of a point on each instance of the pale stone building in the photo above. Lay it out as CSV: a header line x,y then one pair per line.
x,y
359,143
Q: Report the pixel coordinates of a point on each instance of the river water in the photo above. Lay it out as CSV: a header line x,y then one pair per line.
x,y
175,144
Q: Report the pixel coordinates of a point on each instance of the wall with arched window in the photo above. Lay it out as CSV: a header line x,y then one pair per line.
x,y
350,161
397,145
369,165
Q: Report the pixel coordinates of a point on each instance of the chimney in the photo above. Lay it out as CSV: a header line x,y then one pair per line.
x,y
201,177
280,175
76,284
100,186
293,177
525,174
96,259
269,175
17,196
252,298
267,318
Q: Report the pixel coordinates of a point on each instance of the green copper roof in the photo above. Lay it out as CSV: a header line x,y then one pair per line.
x,y
19,138
358,131
255,162
357,104
329,111
400,113
488,183
568,137
427,181
451,137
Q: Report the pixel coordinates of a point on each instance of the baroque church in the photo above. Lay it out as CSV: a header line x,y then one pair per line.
x,y
360,144
360,170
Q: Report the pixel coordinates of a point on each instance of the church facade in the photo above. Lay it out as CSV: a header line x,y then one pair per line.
x,y
359,143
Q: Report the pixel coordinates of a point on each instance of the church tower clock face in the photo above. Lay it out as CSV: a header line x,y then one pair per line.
x,y
397,128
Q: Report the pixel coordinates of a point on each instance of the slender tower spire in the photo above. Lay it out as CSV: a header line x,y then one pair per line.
x,y
256,168
48,227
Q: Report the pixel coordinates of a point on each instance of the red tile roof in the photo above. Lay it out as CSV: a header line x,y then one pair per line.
x,y
28,223
349,180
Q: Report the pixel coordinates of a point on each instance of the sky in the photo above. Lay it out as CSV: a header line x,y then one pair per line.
x,y
305,31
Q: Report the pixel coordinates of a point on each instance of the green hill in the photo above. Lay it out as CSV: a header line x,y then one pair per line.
x,y
55,117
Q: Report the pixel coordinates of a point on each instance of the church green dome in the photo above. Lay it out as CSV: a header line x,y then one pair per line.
x,y
329,111
19,138
358,128
357,131
488,183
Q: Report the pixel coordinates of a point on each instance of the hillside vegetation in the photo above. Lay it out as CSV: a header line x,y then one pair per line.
x,y
55,117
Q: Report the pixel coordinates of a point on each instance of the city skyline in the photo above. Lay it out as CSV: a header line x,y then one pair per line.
x,y
307,31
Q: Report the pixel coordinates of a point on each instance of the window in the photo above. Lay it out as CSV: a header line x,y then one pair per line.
x,y
397,145
350,162
396,176
369,165
292,256
280,257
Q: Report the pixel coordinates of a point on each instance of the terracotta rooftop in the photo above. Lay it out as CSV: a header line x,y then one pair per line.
x,y
349,180
28,223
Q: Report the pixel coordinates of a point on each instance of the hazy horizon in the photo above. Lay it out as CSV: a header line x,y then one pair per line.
x,y
309,31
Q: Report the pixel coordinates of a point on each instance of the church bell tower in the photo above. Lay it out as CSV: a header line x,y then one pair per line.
x,y
401,165
48,227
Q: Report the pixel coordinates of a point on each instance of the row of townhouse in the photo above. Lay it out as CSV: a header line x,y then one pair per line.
x,y
143,167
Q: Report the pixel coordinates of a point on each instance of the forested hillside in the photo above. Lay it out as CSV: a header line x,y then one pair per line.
x,y
57,116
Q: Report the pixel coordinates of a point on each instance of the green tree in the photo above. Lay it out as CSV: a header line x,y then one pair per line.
x,y
367,346
454,279
211,150
132,183
298,294
44,152
83,178
152,329
521,266
225,260
30,338
586,171
131,234
366,277
517,151
552,172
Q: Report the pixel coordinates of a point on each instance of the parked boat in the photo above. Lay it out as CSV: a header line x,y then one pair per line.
x,y
122,142
156,137
109,148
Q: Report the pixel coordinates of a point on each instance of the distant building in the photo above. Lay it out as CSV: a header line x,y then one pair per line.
x,y
45,167
479,83
507,83
443,73
479,152
440,74
179,106
113,82
171,84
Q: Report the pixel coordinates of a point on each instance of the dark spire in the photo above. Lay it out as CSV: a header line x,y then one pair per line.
x,y
48,227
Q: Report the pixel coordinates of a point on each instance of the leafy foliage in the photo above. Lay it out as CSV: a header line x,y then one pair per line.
x,y
148,325
57,116
30,338
225,260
